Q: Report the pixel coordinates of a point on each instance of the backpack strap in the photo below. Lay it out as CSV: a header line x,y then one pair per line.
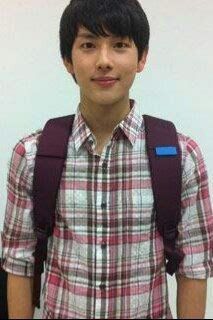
x,y
49,162
165,165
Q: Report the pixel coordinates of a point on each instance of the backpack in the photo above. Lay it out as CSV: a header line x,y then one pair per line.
x,y
165,165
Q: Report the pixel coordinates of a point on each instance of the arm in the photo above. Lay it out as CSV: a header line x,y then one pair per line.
x,y
19,295
191,298
18,238
195,236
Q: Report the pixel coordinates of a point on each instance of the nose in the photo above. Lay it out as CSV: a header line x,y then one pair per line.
x,y
103,59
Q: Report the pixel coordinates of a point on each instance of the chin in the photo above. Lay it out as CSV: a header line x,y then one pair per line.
x,y
107,100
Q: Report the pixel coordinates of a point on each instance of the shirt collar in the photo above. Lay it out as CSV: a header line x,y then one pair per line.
x,y
131,125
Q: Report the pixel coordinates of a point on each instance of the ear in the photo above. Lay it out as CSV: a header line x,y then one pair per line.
x,y
142,62
68,65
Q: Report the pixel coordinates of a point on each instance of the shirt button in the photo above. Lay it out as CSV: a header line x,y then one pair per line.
x,y
103,205
103,245
104,167
102,286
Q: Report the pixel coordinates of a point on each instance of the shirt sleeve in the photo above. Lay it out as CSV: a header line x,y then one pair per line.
x,y
196,226
18,238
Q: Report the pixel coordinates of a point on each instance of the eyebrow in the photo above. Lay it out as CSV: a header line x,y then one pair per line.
x,y
86,35
91,35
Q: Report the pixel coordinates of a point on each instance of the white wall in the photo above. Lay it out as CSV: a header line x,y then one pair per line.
x,y
176,85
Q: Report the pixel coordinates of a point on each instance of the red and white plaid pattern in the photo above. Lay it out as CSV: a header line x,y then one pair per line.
x,y
106,258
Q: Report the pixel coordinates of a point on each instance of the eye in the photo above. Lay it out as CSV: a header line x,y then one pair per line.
x,y
86,43
122,44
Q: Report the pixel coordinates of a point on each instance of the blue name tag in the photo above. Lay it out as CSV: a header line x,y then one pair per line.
x,y
166,151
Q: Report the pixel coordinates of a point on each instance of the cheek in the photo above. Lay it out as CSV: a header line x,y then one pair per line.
x,y
131,69
81,66
129,73
82,73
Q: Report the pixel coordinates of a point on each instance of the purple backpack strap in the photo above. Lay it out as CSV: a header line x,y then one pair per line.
x,y
49,162
165,165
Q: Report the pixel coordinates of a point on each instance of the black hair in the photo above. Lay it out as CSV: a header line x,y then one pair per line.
x,y
122,18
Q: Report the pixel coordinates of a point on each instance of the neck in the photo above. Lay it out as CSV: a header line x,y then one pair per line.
x,y
102,119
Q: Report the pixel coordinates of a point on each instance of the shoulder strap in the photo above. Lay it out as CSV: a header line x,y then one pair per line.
x,y
165,165
49,162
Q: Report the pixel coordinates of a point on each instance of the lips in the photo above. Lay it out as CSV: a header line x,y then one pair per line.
x,y
106,83
105,79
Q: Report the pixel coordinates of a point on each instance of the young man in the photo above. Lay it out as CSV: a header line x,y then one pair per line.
x,y
106,257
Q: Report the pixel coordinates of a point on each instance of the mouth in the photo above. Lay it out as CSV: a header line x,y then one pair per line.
x,y
106,83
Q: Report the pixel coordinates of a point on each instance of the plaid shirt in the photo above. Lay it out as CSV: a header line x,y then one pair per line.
x,y
106,257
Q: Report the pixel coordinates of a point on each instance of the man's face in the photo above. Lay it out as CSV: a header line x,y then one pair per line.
x,y
94,57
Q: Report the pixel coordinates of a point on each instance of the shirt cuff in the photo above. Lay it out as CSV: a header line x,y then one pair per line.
x,y
18,267
201,271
